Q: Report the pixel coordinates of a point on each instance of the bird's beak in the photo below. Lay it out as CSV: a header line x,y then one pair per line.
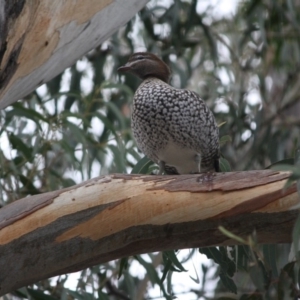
x,y
125,68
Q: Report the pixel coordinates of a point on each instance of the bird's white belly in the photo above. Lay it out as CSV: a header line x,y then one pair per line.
x,y
185,160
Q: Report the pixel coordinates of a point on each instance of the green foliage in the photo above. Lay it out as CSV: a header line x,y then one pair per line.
x,y
227,266
143,166
77,126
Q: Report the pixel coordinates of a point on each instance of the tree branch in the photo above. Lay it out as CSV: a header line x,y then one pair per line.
x,y
118,215
40,39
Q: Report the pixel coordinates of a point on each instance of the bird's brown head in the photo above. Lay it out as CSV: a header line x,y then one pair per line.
x,y
145,65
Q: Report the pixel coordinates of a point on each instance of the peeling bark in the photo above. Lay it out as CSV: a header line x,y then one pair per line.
x,y
119,215
39,39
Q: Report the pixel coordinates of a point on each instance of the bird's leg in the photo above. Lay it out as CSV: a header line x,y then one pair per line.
x,y
161,167
204,175
198,161
217,165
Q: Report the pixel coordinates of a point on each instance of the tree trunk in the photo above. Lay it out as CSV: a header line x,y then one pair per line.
x,y
41,38
118,215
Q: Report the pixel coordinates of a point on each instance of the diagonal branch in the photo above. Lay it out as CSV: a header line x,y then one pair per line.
x,y
40,39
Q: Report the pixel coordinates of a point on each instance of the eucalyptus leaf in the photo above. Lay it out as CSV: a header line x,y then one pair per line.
x,y
225,139
297,164
123,266
173,258
285,162
152,273
224,165
21,147
228,283
142,166
221,258
296,237
39,295
270,256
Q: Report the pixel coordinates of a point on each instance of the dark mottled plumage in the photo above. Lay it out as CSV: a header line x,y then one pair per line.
x,y
173,127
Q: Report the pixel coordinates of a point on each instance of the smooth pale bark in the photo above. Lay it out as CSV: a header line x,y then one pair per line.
x,y
41,38
118,215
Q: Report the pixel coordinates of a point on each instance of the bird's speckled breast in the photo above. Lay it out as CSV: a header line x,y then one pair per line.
x,y
174,125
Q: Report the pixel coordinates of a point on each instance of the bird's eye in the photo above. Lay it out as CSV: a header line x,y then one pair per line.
x,y
140,57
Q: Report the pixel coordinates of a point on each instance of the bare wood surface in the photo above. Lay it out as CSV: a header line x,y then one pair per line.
x,y
41,38
119,215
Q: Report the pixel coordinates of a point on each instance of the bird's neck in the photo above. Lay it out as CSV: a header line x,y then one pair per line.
x,y
153,80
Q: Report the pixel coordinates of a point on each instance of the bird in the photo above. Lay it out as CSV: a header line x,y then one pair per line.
x,y
173,127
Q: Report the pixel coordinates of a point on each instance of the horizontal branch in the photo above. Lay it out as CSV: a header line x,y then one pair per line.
x,y
118,215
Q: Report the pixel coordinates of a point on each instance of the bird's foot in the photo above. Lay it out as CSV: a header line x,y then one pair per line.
x,y
161,167
206,177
